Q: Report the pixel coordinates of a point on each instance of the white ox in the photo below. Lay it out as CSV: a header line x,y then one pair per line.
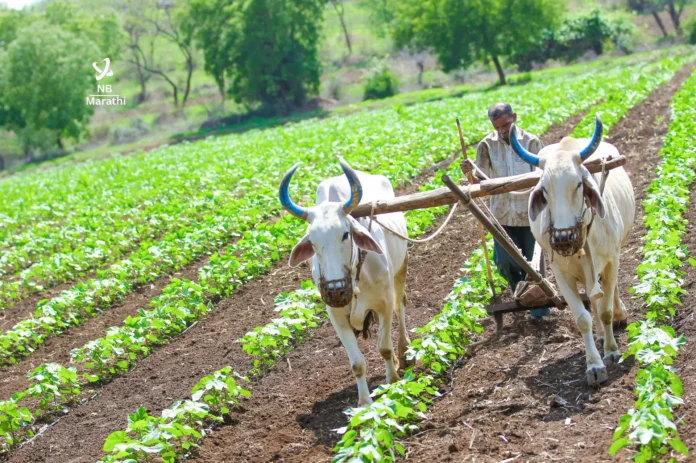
x,y
561,209
333,241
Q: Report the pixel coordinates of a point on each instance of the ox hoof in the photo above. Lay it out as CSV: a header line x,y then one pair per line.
x,y
611,358
597,376
365,403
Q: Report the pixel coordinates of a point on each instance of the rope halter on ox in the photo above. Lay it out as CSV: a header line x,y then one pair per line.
x,y
336,293
570,240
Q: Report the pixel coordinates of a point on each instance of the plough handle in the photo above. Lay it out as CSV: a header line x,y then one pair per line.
x,y
465,199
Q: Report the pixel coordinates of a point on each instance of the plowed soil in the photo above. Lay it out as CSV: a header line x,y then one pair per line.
x,y
524,397
504,390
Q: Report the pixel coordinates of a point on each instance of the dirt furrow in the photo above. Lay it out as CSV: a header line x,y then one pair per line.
x,y
169,373
295,408
525,396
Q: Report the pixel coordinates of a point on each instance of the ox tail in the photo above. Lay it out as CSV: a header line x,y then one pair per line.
x,y
365,331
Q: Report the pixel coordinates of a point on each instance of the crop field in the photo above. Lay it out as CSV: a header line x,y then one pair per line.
x,y
148,312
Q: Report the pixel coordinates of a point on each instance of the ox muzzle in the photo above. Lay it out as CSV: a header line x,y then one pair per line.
x,y
336,293
568,241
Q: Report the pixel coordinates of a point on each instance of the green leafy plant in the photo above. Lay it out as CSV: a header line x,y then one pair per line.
x,y
650,426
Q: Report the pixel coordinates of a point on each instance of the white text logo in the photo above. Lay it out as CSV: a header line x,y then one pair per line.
x,y
106,72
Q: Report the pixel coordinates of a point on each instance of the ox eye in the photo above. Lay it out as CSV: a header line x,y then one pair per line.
x,y
579,185
345,236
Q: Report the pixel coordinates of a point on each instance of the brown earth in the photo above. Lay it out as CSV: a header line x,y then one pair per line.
x,y
295,407
524,397
168,373
57,348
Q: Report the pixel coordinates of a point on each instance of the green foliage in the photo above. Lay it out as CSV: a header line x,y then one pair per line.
x,y
53,385
690,28
576,36
181,427
102,29
463,32
380,82
44,78
206,23
269,48
299,312
372,432
11,21
651,425
14,424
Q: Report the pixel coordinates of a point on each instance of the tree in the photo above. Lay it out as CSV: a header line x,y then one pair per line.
x,y
146,22
648,6
576,36
267,48
341,12
44,78
103,29
461,32
674,8
10,22
205,22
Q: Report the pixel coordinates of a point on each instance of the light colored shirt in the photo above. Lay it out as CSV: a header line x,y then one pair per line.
x,y
496,159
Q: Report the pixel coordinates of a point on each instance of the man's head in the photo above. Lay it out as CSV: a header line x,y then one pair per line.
x,y
502,118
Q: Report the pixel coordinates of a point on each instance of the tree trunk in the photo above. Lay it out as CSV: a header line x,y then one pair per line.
x,y
659,23
421,69
141,78
341,13
2,163
28,156
675,16
499,68
189,68
59,142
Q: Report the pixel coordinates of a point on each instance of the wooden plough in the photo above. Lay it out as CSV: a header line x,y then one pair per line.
x,y
465,195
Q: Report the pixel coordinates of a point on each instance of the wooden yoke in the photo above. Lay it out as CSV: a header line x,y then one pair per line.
x,y
496,186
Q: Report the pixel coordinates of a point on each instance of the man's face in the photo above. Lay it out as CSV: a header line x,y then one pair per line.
x,y
502,125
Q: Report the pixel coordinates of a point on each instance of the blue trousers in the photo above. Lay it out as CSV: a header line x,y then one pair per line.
x,y
511,270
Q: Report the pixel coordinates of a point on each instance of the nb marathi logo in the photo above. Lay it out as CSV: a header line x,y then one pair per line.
x,y
106,72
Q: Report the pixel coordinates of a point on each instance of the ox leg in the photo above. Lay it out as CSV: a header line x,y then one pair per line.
x,y
400,311
340,319
386,348
620,312
606,313
596,371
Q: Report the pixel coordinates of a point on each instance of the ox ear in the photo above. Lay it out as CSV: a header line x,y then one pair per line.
x,y
362,238
591,192
537,203
301,252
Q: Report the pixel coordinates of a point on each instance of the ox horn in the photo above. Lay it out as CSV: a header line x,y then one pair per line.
x,y
288,204
355,187
596,138
526,156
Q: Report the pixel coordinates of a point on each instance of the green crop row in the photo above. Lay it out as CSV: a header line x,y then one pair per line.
x,y
73,306
372,432
181,426
650,427
299,311
113,205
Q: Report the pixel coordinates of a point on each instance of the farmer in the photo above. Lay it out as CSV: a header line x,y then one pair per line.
x,y
495,158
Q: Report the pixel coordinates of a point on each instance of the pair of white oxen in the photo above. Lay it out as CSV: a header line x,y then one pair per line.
x,y
561,208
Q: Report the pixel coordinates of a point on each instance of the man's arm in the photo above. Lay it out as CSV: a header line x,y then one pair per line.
x,y
483,162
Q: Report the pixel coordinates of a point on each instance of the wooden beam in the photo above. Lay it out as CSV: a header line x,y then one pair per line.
x,y
496,186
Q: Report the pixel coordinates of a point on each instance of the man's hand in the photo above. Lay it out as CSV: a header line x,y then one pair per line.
x,y
467,166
